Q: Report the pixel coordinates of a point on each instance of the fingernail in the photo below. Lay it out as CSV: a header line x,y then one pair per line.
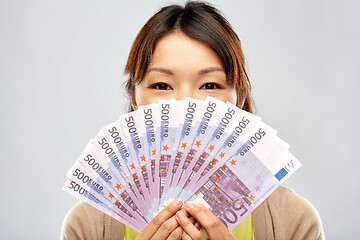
x,y
190,205
177,202
179,215
197,225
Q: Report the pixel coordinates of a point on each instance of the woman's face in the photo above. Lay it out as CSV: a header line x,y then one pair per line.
x,y
182,67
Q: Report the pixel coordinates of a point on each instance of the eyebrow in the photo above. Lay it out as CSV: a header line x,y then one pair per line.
x,y
211,69
161,70
201,72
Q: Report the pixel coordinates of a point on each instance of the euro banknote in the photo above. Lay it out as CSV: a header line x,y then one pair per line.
x,y
203,151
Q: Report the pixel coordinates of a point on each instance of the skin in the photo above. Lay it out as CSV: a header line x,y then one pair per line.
x,y
182,67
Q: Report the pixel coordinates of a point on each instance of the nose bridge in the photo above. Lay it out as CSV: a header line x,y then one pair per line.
x,y
185,90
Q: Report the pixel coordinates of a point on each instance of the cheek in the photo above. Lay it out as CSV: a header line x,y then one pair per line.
x,y
232,97
229,95
141,97
200,95
145,96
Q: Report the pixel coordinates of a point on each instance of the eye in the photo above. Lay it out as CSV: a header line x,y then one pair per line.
x,y
161,86
210,85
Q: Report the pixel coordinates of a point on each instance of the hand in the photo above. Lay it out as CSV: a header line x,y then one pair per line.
x,y
164,225
214,228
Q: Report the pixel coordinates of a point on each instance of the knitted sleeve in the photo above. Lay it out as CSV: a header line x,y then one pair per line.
x,y
302,221
85,222
286,215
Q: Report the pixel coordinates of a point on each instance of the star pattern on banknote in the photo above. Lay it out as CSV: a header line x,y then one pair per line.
x,y
211,148
219,179
124,196
132,166
110,196
251,198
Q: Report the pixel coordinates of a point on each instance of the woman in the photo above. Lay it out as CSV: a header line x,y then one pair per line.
x,y
193,52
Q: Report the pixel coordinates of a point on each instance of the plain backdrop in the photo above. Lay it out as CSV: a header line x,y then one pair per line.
x,y
61,72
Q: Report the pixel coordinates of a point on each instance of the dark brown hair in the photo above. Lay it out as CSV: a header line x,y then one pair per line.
x,y
199,21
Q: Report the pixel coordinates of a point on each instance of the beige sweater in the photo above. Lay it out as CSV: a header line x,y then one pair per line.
x,y
283,215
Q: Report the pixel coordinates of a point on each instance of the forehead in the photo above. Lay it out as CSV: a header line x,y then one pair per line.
x,y
177,49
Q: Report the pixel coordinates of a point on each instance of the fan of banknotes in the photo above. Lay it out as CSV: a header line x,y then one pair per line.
x,y
206,151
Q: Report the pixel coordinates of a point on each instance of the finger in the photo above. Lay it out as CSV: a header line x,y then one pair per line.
x,y
212,225
185,236
159,219
188,226
168,227
197,225
176,234
191,219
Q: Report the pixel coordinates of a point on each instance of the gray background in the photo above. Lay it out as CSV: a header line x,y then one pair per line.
x,y
61,66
